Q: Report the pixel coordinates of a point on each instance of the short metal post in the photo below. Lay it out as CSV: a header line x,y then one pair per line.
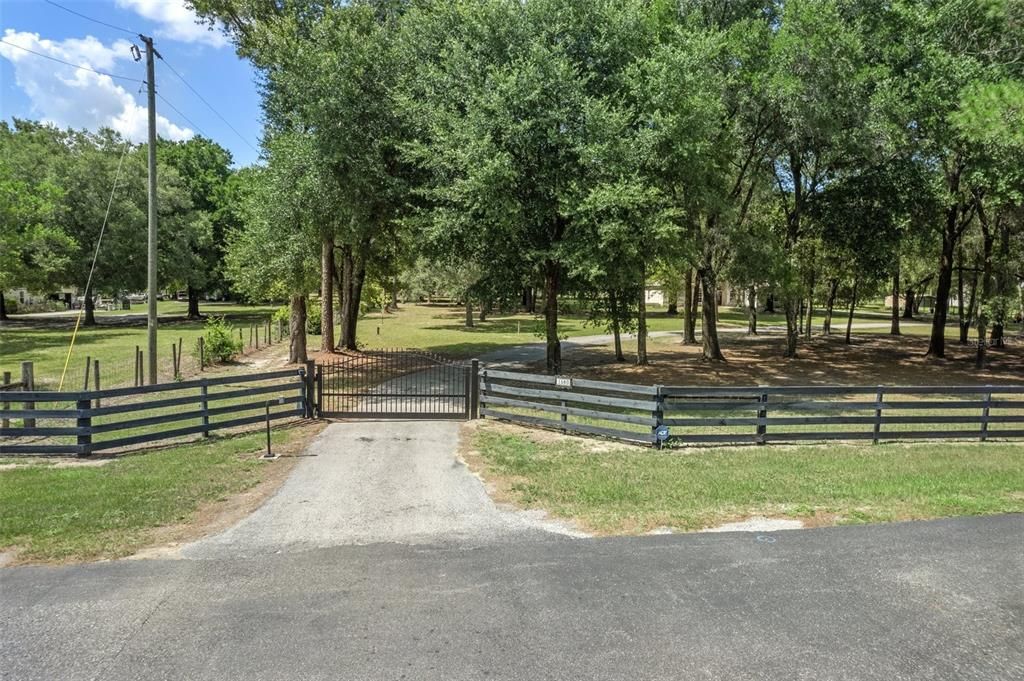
x,y
308,397
878,415
28,384
136,383
984,415
174,360
762,418
202,353
83,423
6,422
96,379
88,367
203,392
257,338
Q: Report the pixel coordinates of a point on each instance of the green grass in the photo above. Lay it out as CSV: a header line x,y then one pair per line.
x,y
90,512
45,342
633,490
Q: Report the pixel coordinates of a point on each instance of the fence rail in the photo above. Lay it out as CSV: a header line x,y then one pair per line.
x,y
220,402
753,414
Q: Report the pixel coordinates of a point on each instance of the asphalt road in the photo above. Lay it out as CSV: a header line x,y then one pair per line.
x,y
935,600
382,557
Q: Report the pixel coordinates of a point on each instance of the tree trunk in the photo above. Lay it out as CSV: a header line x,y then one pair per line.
x,y
641,325
553,354
90,308
894,325
1003,287
193,304
358,279
3,308
951,232
469,313
769,304
297,324
613,306
348,341
853,305
800,318
967,318
987,239
485,310
909,304
689,310
711,350
327,294
752,311
810,306
830,304
791,307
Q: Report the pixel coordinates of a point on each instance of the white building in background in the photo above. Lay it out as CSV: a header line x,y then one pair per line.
x,y
728,296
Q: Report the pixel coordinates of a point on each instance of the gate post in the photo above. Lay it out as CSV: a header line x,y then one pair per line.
x,y
310,401
473,390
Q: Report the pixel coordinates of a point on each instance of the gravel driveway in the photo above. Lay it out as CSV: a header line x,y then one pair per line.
x,y
371,482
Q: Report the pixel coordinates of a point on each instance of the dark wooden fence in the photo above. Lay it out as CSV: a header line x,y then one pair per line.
x,y
757,414
97,420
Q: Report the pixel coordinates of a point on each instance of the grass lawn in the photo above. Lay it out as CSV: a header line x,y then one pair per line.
x,y
44,340
57,511
611,489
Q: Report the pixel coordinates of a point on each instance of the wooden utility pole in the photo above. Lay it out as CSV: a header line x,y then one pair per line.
x,y
151,260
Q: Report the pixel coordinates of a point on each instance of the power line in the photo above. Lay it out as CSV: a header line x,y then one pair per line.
x,y
208,105
67,63
178,111
95,21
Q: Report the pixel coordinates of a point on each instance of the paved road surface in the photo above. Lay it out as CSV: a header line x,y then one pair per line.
x,y
377,481
460,589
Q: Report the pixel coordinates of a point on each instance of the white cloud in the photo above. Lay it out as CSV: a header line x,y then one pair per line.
x,y
175,21
70,97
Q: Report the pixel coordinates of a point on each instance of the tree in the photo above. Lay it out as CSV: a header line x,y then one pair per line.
x,y
503,100
271,256
33,248
204,167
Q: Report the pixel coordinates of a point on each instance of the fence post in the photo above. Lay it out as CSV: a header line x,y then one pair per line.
x,y
474,390
483,380
84,425
878,414
88,366
204,391
762,417
96,379
984,415
658,413
6,423
309,398
28,384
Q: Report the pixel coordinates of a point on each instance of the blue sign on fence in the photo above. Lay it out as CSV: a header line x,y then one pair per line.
x,y
661,432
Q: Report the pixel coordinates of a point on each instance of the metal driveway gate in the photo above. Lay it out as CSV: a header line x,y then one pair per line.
x,y
396,384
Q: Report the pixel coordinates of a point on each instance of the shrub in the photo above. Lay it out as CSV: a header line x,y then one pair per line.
x,y
313,318
219,341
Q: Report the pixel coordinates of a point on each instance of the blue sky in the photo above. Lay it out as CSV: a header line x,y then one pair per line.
x,y
37,88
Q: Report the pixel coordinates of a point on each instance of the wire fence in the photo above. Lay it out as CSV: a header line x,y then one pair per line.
x,y
178,358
